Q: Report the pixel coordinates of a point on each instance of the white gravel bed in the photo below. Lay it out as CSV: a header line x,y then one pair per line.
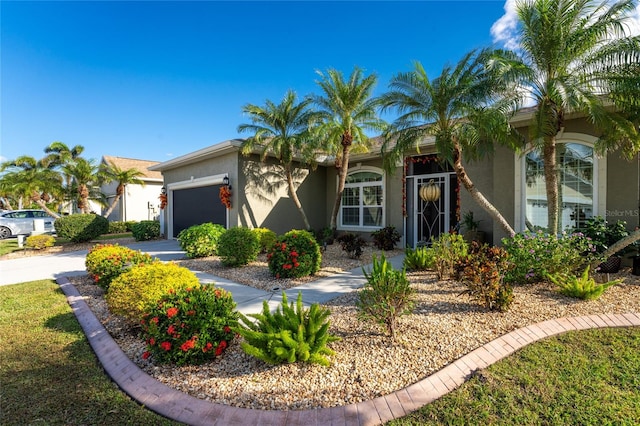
x,y
444,326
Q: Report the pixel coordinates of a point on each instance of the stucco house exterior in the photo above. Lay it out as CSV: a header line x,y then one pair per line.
x,y
139,202
607,186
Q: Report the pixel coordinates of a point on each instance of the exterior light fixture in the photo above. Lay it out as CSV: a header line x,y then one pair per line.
x,y
226,182
163,190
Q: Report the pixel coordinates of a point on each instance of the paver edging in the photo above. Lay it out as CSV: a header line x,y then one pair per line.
x,y
185,408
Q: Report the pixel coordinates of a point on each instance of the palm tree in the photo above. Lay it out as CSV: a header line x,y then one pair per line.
x,y
33,180
462,108
575,57
86,180
346,110
113,173
283,131
59,156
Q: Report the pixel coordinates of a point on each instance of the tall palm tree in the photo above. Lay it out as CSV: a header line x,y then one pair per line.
x,y
113,173
60,155
33,180
462,108
86,180
282,130
575,56
346,109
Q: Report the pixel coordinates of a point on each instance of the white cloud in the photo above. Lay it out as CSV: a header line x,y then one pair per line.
x,y
503,30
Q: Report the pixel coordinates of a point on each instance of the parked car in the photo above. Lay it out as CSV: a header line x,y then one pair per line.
x,y
21,222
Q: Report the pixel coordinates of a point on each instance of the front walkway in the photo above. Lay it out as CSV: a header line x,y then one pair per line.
x,y
187,409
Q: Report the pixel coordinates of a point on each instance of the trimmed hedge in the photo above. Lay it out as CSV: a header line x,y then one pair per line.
x,y
80,228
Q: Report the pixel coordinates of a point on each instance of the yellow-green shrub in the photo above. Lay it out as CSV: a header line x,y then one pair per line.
x,y
140,287
104,262
266,237
39,242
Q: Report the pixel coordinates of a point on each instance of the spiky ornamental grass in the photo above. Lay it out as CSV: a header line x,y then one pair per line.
x,y
290,334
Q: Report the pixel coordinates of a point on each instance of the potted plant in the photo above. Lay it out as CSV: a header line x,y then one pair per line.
x,y
471,231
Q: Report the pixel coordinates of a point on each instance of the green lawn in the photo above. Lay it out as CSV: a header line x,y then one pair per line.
x,y
49,374
590,377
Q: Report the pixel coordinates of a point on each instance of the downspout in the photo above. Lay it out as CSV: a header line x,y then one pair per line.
x,y
124,204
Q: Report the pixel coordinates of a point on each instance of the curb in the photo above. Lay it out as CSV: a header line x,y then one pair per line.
x,y
184,408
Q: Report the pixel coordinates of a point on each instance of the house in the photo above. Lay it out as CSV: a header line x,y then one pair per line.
x,y
607,186
139,202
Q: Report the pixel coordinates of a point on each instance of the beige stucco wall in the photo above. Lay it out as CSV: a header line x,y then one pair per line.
x,y
623,183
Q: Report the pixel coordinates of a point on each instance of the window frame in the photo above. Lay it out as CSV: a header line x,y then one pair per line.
x,y
599,178
381,183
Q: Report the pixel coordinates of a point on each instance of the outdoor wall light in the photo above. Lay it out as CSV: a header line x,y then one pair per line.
x,y
163,190
226,182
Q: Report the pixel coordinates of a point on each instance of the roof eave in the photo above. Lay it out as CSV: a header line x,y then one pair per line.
x,y
212,151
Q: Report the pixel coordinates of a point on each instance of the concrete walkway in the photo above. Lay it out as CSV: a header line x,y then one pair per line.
x,y
187,409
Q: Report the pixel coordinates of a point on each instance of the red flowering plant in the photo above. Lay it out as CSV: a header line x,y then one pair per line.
x,y
105,262
294,254
225,196
189,326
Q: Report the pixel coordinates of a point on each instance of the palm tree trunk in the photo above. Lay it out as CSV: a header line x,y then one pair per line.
x,y
551,184
617,246
342,177
296,200
475,194
112,206
44,207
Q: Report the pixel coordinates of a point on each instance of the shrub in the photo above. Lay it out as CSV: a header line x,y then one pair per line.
x,y
295,254
352,244
325,236
420,259
386,238
105,262
39,242
200,240
483,273
136,290
146,230
604,234
386,296
80,228
238,246
117,227
290,334
449,250
537,254
189,326
129,225
266,238
583,287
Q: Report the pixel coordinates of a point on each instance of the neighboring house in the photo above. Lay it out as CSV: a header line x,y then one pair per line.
x,y
591,186
139,202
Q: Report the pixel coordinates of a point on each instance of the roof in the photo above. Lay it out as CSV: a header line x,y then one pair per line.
x,y
202,154
140,165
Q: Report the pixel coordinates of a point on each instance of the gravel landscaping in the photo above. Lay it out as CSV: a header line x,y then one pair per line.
x,y
444,326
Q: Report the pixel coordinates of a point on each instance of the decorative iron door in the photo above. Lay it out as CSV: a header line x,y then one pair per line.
x,y
428,216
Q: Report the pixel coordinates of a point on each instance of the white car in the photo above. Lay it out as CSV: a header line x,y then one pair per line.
x,y
21,222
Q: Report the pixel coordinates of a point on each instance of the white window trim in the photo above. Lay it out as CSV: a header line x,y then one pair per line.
x,y
599,177
360,168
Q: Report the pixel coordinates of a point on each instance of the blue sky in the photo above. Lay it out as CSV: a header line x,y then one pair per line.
x,y
156,80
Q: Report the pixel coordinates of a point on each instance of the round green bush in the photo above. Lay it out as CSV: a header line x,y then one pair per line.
x,y
266,237
105,262
80,228
117,227
189,326
238,246
137,289
294,254
200,240
146,230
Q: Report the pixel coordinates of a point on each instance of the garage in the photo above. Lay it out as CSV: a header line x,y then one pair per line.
x,y
196,205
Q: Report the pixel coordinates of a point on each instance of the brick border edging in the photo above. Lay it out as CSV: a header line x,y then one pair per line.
x,y
184,408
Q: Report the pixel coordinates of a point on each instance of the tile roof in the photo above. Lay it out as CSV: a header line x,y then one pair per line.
x,y
131,163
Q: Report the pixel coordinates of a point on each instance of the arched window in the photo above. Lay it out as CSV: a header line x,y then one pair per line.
x,y
362,200
579,178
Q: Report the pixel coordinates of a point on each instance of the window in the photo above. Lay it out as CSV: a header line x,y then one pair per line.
x,y
576,194
362,200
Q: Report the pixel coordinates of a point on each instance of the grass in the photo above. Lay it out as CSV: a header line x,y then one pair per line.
x,y
587,378
49,373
